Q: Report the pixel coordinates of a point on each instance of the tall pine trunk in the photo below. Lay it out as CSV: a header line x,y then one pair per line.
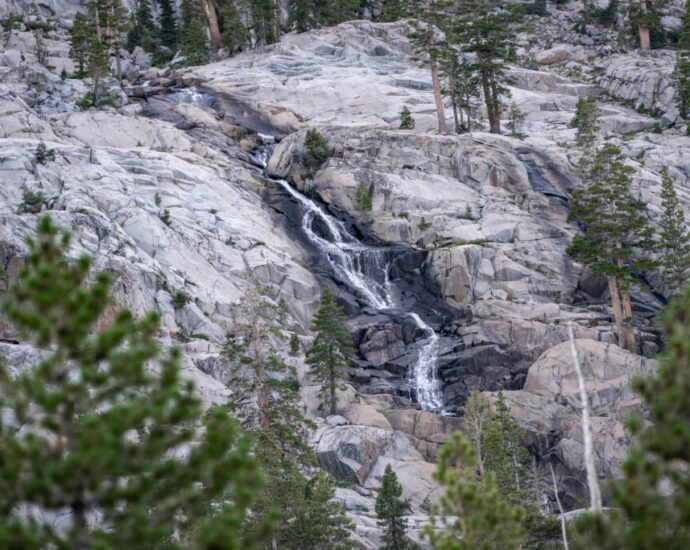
x,y
628,328
645,43
262,398
617,312
491,111
331,380
442,128
212,19
454,103
119,64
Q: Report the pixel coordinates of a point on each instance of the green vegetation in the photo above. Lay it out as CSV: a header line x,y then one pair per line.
x,y
43,154
515,121
681,73
390,511
99,430
617,237
331,351
651,503
363,198
674,239
486,520
180,299
32,202
316,151
406,120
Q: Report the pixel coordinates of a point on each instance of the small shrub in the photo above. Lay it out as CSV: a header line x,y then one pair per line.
x,y
43,154
466,215
63,74
424,225
316,150
538,7
363,197
180,299
310,189
157,199
165,217
404,215
406,120
32,203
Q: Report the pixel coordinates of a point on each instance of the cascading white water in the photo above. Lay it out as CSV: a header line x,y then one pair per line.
x,y
365,270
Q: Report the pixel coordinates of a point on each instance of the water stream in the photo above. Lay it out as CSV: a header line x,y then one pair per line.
x,y
365,270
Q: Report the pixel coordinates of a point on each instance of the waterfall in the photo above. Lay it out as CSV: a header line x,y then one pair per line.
x,y
365,270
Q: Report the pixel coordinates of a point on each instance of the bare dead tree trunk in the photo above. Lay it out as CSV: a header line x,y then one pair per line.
x,y
627,323
560,508
592,480
617,311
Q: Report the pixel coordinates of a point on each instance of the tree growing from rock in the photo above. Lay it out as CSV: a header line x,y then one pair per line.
x,y
651,504
235,34
167,23
476,416
97,70
681,73
331,350
406,120
515,120
316,151
485,29
79,42
427,17
194,42
390,511
91,433
674,239
473,514
617,237
586,123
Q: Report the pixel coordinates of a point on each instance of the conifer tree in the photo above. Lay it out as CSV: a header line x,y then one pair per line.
x,y
393,10
473,515
476,418
209,7
617,236
586,123
331,351
97,69
505,456
143,28
93,431
390,511
406,120
235,34
265,396
651,504
79,42
194,42
426,17
116,25
681,74
674,239
485,29
264,17
167,23
515,120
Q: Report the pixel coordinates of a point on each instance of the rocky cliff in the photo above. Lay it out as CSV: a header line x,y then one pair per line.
x,y
471,229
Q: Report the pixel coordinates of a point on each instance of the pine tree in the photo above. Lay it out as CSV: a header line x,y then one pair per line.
x,y
93,431
651,504
193,39
265,25
486,29
393,10
265,388
116,25
167,24
195,46
235,34
681,74
515,120
505,456
617,236
79,42
316,150
143,28
390,511
586,123
674,239
406,120
426,17
473,515
97,70
476,418
330,353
